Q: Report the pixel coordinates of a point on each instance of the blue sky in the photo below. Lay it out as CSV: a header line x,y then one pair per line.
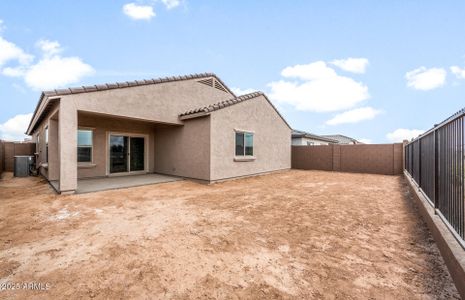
x,y
374,70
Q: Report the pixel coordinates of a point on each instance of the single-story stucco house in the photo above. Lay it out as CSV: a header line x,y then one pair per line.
x,y
189,126
303,138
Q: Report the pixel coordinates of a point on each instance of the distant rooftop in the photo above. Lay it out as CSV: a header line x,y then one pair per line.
x,y
300,133
342,139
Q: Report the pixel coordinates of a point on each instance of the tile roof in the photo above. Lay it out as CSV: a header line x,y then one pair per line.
x,y
125,84
300,133
205,110
222,104
117,85
342,139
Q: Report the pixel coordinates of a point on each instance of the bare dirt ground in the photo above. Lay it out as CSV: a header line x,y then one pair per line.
x,y
295,234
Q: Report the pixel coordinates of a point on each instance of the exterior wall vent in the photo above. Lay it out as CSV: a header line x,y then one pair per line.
x,y
220,87
213,83
208,81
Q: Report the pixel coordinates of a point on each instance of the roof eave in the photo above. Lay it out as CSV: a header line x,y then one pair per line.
x,y
194,115
44,98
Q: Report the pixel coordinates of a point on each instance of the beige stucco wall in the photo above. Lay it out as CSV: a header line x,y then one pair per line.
x,y
272,139
200,148
101,127
50,122
161,102
185,150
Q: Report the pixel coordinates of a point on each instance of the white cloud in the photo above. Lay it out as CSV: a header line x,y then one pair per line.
x,y
11,52
14,72
401,134
138,12
239,91
54,72
171,3
49,48
322,89
457,71
354,65
51,71
14,128
312,71
354,116
426,79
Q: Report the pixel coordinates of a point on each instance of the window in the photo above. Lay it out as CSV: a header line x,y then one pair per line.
x,y
84,149
38,143
310,143
244,144
46,144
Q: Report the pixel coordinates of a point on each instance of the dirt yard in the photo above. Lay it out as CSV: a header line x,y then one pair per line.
x,y
295,234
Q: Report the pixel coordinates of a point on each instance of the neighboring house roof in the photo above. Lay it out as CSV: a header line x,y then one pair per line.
x,y
206,110
342,139
300,133
118,85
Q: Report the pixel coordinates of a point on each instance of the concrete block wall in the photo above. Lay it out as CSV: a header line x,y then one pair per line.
x,y
312,157
8,150
384,159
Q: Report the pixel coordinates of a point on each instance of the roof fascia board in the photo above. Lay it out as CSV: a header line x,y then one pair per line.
x,y
39,110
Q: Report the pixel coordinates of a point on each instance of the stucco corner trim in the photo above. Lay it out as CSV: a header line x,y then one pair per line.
x,y
244,158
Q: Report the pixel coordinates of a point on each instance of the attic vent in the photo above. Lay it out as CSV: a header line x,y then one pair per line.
x,y
208,81
220,86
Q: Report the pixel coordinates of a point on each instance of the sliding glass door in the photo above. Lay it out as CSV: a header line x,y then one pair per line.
x,y
137,162
127,153
119,151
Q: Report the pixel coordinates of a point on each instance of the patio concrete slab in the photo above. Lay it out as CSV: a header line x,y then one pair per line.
x,y
119,182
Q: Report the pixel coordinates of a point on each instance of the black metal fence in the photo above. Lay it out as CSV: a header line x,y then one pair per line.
x,y
436,162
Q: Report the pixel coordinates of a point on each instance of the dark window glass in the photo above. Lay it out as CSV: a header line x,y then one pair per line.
x,y
249,144
119,150
137,154
46,144
239,143
84,154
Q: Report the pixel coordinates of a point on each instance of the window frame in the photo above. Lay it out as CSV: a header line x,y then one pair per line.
x,y
244,134
91,161
38,142
46,143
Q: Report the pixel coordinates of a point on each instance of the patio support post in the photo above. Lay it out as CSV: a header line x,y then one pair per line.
x,y
53,160
67,137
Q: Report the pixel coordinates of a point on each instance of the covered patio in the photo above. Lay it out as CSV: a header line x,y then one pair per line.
x,y
88,185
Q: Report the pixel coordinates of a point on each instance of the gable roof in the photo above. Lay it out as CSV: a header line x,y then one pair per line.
x,y
118,85
300,133
125,84
206,110
342,139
